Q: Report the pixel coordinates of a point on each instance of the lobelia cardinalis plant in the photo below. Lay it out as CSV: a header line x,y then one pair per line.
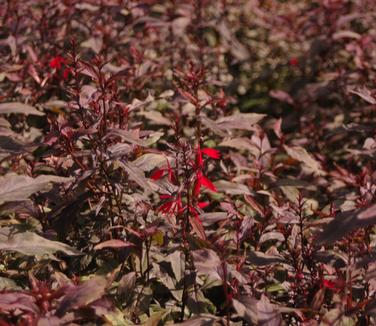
x,y
203,162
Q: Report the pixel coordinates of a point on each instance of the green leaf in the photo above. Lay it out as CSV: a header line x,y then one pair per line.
x,y
155,318
116,318
275,288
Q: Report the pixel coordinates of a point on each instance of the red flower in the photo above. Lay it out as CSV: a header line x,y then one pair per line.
x,y
205,182
201,180
293,61
211,152
66,73
157,174
172,205
203,204
329,284
57,62
335,285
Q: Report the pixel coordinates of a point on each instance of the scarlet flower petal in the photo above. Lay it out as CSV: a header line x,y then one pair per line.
x,y
211,152
180,209
66,73
157,174
203,204
329,284
205,182
293,61
56,62
166,207
335,285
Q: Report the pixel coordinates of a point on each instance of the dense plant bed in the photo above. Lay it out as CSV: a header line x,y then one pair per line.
x,y
197,162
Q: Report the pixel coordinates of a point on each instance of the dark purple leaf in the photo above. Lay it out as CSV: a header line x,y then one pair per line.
x,y
29,243
261,259
346,222
20,187
82,295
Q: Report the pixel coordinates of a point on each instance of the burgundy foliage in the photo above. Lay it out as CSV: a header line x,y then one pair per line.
x,y
192,162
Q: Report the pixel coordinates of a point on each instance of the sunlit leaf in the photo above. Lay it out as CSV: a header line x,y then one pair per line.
x,y
300,154
232,188
20,187
114,243
259,312
31,244
17,107
243,121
